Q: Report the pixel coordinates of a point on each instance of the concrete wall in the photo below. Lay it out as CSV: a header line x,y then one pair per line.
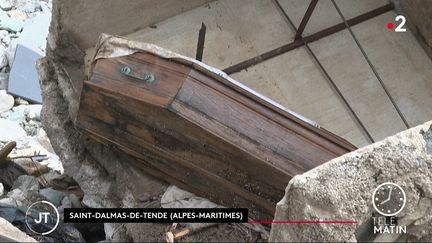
x,y
238,31
85,20
419,18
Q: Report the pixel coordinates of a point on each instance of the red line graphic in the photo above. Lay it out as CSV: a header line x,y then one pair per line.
x,y
303,222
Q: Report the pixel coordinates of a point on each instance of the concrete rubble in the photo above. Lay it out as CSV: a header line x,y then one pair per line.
x,y
22,22
342,190
9,233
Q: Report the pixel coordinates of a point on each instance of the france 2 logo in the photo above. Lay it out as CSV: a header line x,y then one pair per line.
x,y
401,25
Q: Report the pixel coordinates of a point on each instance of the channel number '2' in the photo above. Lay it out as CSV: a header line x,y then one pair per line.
x,y
400,27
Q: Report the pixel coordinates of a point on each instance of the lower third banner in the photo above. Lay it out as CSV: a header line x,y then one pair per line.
x,y
155,215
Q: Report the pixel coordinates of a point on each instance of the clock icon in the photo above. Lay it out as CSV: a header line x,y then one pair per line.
x,y
389,199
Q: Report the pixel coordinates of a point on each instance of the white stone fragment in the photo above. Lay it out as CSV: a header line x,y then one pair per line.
x,y
3,33
10,131
33,36
18,15
6,4
6,101
10,24
28,6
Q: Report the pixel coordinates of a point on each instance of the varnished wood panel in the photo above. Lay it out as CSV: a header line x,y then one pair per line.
x,y
201,133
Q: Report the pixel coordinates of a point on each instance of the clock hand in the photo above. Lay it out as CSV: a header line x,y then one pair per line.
x,y
384,201
388,199
391,188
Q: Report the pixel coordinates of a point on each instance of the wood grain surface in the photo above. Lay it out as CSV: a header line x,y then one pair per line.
x,y
201,132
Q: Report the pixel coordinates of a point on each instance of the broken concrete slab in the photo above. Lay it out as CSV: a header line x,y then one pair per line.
x,y
35,32
342,190
10,233
23,78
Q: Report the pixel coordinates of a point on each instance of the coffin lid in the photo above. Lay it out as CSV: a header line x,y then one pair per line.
x,y
110,46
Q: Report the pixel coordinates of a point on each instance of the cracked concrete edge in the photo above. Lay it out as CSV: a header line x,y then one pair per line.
x,y
61,74
107,177
10,233
341,189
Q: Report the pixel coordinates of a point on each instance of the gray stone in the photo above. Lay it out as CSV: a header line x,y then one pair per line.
x,y
31,127
21,101
4,80
36,31
33,112
22,113
43,140
34,35
52,195
28,6
10,24
3,33
16,198
30,145
1,189
10,131
17,114
3,57
24,192
7,40
342,188
10,233
6,4
66,202
26,183
46,7
76,203
6,101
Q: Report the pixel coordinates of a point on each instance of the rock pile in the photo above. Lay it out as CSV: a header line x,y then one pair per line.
x,y
21,22
30,170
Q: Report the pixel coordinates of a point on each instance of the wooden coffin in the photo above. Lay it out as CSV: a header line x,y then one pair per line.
x,y
200,131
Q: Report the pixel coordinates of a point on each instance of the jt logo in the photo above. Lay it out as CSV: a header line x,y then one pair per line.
x,y
45,217
42,212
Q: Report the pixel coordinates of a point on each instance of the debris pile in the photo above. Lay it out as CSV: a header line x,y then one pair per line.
x,y
341,189
30,170
22,23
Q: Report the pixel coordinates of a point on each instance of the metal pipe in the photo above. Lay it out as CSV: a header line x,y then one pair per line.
x,y
200,45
